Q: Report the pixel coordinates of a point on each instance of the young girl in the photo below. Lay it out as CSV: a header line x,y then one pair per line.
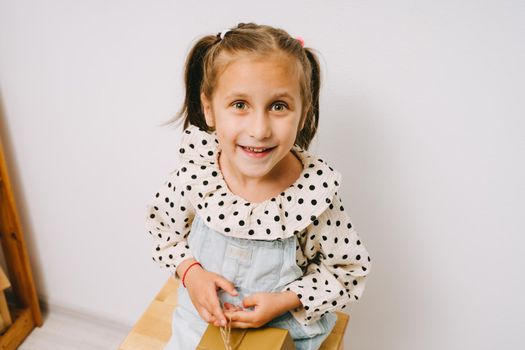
x,y
251,222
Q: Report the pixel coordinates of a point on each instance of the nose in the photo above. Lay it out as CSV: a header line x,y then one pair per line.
x,y
260,127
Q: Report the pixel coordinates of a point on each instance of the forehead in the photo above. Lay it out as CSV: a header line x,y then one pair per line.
x,y
257,72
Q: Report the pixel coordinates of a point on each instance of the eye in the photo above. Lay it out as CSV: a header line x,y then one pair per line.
x,y
239,105
279,107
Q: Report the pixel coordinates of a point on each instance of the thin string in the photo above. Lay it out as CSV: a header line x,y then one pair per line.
x,y
226,335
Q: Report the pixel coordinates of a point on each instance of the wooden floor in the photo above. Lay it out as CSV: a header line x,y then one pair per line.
x,y
66,330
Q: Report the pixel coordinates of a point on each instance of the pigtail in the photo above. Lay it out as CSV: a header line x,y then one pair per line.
x,y
309,129
191,111
201,69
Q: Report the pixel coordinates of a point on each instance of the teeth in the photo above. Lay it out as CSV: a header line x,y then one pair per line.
x,y
256,150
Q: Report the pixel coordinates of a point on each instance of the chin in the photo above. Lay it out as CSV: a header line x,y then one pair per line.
x,y
255,173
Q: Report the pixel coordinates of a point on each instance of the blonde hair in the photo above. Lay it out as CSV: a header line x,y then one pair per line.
x,y
201,70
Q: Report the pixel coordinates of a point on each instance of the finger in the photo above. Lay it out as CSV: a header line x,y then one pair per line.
x,y
205,315
226,285
215,310
229,306
221,319
242,325
213,318
228,314
244,317
249,301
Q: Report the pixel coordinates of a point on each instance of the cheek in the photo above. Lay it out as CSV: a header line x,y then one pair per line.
x,y
287,135
225,136
291,126
225,130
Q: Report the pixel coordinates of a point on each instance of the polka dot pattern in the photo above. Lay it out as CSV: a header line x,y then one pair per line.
x,y
329,251
168,226
334,265
210,195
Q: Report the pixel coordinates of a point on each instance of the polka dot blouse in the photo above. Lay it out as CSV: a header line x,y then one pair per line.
x,y
331,255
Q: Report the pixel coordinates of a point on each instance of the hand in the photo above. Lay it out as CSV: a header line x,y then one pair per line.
x,y
267,306
202,287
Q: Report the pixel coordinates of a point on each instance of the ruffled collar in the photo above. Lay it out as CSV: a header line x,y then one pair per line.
x,y
279,217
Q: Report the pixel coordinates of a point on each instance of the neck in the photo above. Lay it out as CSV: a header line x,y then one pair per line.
x,y
256,190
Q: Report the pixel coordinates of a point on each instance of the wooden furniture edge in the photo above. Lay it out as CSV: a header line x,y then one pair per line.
x,y
138,338
26,313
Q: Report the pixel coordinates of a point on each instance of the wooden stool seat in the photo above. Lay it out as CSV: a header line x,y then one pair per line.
x,y
153,329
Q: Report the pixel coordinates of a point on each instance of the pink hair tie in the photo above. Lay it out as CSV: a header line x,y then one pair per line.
x,y
300,39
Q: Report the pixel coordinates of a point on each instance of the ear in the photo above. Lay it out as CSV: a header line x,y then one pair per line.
x,y
207,110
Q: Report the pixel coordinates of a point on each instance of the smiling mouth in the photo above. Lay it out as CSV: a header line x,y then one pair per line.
x,y
257,149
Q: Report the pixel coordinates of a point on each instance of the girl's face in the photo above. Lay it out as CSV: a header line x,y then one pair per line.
x,y
256,111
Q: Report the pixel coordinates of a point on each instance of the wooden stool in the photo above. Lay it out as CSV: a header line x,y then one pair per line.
x,y
153,329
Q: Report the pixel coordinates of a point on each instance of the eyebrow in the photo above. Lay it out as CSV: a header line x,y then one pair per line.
x,y
243,95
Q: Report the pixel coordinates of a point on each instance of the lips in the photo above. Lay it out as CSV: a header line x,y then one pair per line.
x,y
256,151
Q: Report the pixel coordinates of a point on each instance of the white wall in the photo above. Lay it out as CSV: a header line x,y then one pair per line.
x,y
422,112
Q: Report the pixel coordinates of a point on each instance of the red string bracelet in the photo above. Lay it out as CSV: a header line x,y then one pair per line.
x,y
187,269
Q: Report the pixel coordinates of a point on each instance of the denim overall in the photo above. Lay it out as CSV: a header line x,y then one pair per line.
x,y
253,266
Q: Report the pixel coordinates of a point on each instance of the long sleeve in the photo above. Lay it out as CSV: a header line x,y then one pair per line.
x,y
338,263
168,222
